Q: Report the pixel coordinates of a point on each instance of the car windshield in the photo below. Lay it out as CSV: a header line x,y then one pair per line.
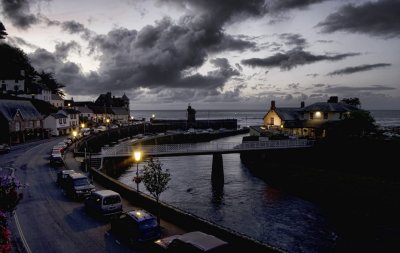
x,y
146,224
111,200
81,181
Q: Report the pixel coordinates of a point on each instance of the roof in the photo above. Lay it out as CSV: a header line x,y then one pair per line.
x,y
201,240
77,175
58,115
106,193
101,110
140,215
119,111
330,107
289,113
85,109
70,111
8,108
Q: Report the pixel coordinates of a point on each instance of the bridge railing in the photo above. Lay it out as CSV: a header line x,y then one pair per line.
x,y
211,146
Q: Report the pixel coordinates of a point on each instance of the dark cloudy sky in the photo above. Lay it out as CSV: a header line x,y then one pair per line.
x,y
225,54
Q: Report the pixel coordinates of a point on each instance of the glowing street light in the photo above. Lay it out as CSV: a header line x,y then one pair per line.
x,y
137,155
83,125
74,134
108,121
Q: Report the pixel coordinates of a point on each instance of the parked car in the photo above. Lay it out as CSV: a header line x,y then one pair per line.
x,y
136,226
77,186
5,148
62,176
192,242
103,203
56,159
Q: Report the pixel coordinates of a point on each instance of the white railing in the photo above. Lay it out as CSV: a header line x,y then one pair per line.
x,y
126,150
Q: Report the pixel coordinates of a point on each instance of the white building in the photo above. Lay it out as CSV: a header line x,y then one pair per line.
x,y
58,124
73,118
56,101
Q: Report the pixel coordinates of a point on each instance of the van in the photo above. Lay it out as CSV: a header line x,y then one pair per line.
x,y
77,186
103,203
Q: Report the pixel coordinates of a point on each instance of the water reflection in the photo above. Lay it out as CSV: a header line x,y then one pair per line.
x,y
245,203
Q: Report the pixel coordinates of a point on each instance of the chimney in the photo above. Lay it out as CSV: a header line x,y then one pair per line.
x,y
273,105
302,104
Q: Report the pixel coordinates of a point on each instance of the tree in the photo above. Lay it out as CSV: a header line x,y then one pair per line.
x,y
3,33
352,101
355,124
9,199
50,82
155,180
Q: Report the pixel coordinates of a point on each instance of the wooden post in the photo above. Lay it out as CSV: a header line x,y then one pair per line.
x,y
217,174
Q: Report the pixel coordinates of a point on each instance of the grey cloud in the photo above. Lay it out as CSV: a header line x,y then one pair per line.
x,y
292,39
293,86
285,5
74,27
313,75
344,89
325,41
360,68
18,41
293,58
18,12
228,42
63,49
378,18
319,85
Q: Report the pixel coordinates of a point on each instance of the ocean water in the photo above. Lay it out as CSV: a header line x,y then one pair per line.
x,y
384,118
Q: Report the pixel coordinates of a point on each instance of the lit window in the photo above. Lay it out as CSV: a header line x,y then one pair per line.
x,y
318,115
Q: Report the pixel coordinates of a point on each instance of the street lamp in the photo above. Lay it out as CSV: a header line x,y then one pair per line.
x,y
74,134
83,125
137,155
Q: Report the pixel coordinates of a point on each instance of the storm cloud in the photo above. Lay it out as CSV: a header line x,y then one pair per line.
x,y
378,18
355,69
285,5
19,13
293,58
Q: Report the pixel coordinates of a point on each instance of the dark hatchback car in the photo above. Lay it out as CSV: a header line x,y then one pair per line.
x,y
137,226
56,160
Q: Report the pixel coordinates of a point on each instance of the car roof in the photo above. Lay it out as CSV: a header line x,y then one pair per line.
x,y
106,193
201,240
77,175
68,171
140,215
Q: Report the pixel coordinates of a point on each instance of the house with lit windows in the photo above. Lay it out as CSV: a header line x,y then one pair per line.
x,y
311,121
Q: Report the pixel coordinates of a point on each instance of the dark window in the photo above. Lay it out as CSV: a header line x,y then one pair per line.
x,y
325,115
272,120
16,81
311,115
111,200
60,121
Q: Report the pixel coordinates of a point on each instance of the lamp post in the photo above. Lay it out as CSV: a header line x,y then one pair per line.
x,y
137,155
74,134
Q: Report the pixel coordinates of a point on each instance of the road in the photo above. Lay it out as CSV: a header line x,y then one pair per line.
x,y
46,220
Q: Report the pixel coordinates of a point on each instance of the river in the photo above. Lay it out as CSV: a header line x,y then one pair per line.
x,y
248,204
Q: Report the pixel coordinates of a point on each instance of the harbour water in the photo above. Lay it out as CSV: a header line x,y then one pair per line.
x,y
248,204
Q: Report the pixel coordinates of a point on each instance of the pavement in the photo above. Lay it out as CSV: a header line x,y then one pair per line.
x,y
74,163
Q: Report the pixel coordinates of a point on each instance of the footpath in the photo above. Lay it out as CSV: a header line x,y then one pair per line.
x,y
167,228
